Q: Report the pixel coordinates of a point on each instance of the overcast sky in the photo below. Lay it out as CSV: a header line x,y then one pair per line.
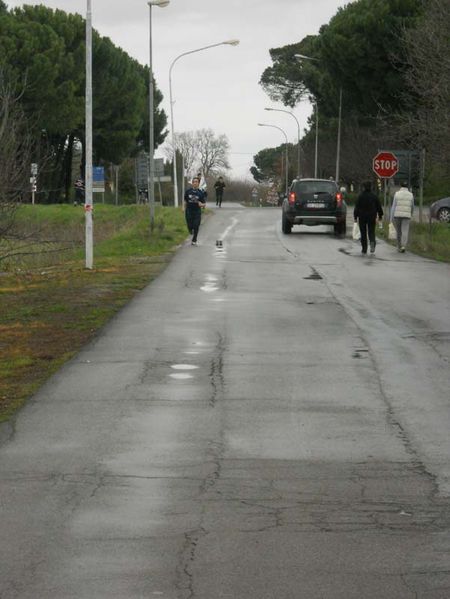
x,y
217,88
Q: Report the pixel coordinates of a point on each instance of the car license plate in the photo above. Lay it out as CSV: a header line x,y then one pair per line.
x,y
316,205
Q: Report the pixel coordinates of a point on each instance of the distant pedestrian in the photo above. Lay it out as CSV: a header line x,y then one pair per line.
x,y
202,184
219,186
79,192
367,207
194,201
401,214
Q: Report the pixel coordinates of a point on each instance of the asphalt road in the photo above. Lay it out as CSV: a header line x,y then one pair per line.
x,y
269,419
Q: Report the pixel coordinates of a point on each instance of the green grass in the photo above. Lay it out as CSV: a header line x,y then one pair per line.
x,y
52,233
50,305
431,241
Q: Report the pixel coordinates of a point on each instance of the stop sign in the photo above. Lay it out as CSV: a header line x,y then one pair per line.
x,y
385,165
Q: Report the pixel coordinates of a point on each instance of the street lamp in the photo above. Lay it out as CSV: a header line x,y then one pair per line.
x,y
175,181
338,145
151,136
298,134
338,148
89,230
287,163
316,149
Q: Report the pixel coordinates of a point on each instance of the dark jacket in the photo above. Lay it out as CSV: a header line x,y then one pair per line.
x,y
367,206
193,198
219,186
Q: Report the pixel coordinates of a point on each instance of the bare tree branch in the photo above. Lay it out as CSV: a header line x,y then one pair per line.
x,y
427,50
15,146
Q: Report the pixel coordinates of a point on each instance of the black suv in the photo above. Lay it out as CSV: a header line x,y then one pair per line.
x,y
314,202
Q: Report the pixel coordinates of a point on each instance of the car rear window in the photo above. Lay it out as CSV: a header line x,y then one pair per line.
x,y
315,187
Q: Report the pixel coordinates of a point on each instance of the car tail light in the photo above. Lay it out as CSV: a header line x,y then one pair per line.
x,y
291,197
339,198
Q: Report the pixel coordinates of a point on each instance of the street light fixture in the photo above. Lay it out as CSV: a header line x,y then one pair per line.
x,y
303,57
287,163
298,134
151,136
232,42
338,145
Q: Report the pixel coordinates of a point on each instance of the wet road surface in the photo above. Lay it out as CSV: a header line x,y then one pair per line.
x,y
269,419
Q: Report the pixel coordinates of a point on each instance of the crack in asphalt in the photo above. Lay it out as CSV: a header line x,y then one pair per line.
x,y
391,418
214,454
216,371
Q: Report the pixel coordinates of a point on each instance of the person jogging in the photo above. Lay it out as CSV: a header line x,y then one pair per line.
x,y
219,186
194,201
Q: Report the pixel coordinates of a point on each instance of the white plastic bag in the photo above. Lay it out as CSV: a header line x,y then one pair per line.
x,y
356,233
392,233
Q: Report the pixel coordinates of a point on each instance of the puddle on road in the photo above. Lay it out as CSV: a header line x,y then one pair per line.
x,y
314,276
181,376
360,353
184,367
209,288
210,284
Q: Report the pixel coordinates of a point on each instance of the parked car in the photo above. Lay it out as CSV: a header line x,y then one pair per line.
x,y
314,202
440,210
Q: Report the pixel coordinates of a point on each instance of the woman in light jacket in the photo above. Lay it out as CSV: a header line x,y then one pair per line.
x,y
401,214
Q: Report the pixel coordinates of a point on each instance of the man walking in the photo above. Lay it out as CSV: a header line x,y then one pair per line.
x,y
401,214
219,186
367,207
194,201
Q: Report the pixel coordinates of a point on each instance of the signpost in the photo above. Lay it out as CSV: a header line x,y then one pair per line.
x,y
142,172
33,180
385,165
98,179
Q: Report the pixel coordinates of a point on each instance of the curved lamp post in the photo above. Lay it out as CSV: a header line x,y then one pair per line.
x,y
287,163
225,43
298,134
338,145
151,133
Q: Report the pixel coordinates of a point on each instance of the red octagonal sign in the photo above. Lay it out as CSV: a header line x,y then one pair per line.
x,y
385,165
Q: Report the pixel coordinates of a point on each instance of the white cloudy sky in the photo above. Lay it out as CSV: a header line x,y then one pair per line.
x,y
216,88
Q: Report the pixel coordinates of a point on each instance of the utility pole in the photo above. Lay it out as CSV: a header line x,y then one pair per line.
x,y
338,149
88,174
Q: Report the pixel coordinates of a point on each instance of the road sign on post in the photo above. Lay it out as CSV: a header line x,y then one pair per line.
x,y
142,170
385,165
98,179
159,167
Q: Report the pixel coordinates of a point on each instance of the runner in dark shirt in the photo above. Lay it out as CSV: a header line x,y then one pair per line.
x,y
194,201
219,186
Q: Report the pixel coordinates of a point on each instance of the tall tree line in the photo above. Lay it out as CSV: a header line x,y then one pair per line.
x,y
42,62
390,58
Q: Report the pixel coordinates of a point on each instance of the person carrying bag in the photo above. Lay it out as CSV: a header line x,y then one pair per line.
x,y
367,208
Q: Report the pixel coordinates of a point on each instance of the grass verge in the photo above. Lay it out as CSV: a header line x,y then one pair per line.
x,y
50,305
427,240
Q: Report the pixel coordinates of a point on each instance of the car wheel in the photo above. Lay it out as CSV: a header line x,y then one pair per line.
x,y
444,215
286,226
340,229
